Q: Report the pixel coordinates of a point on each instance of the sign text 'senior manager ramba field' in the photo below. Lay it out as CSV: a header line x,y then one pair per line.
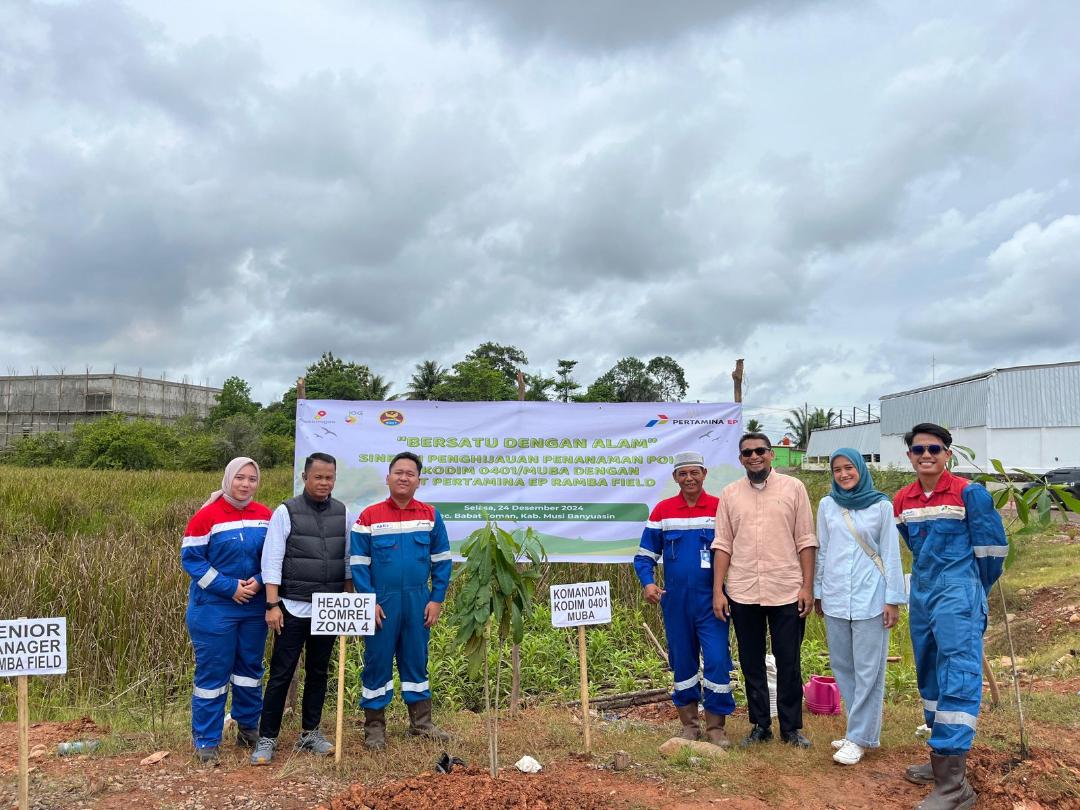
x,y
584,476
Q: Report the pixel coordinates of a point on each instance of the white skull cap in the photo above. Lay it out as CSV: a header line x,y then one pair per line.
x,y
689,459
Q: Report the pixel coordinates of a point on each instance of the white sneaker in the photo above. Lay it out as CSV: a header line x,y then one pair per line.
x,y
849,754
838,744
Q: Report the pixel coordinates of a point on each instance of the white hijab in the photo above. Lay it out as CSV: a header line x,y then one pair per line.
x,y
231,469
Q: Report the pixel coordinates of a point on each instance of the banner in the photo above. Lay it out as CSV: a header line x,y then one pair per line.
x,y
584,476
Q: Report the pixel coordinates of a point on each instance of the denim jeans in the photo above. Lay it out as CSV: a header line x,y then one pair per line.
x,y
857,652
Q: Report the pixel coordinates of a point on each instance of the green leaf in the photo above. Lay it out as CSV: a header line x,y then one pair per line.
x,y
1022,510
1001,497
998,466
1067,498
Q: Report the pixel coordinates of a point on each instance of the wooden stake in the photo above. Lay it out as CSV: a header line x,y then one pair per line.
x,y
584,687
995,694
656,643
342,642
23,700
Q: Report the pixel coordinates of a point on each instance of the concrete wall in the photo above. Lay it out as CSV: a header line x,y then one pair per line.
x,y
1037,449
40,403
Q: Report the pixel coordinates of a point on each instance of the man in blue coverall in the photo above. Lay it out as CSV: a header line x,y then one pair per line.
x,y
396,547
958,547
680,532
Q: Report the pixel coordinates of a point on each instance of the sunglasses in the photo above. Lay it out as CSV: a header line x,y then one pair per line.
x,y
932,449
754,451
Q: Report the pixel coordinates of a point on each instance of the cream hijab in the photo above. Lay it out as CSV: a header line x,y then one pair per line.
x,y
231,469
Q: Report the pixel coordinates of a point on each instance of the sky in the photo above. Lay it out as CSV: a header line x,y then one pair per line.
x,y
856,197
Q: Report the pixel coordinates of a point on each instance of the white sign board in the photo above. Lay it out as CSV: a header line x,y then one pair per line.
x,y
33,647
580,603
343,614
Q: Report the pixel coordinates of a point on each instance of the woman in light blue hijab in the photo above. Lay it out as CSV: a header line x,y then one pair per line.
x,y
859,586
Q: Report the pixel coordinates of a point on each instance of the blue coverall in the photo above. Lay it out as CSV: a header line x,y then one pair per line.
x,y
394,552
223,545
958,547
681,536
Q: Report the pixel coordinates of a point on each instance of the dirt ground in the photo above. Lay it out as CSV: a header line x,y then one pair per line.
x,y
115,780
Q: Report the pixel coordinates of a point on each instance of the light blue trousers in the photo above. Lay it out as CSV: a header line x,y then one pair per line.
x,y
857,652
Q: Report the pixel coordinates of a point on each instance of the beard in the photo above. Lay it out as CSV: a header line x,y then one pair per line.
x,y
760,476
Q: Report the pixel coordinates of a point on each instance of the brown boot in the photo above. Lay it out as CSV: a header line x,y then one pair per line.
x,y
714,729
920,774
691,728
420,724
375,729
952,791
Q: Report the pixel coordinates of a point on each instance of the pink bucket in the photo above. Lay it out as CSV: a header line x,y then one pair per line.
x,y
822,695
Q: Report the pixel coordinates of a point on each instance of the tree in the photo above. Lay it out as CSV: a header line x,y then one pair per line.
x,y
631,380
428,376
235,398
669,379
507,360
333,378
494,595
537,387
754,426
475,381
376,388
566,385
802,424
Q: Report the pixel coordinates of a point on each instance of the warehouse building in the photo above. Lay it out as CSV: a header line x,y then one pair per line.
x,y
864,437
38,403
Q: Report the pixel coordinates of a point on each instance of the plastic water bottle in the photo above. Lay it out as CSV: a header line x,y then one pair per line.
x,y
77,747
770,679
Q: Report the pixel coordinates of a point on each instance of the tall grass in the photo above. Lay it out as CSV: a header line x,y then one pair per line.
x,y
102,548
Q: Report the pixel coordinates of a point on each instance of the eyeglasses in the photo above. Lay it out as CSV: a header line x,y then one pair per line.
x,y
932,449
754,451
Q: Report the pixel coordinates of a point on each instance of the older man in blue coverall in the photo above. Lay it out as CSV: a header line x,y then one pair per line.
x,y
396,547
958,547
680,532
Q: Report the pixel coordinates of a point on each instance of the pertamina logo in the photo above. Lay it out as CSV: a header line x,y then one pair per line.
x,y
661,419
392,418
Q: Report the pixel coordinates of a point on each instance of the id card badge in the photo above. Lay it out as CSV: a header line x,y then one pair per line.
x,y
706,558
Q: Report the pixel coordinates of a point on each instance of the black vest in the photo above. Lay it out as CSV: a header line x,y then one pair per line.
x,y
314,550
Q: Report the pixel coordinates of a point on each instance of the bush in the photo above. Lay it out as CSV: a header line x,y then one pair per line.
x,y
113,443
42,450
272,450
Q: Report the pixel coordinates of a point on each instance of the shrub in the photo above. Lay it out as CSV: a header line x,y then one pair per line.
x,y
42,450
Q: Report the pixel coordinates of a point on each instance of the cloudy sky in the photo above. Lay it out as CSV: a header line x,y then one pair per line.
x,y
852,195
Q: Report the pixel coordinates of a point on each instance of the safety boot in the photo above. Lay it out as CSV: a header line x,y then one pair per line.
x,y
952,791
714,729
375,729
247,737
691,728
420,724
920,774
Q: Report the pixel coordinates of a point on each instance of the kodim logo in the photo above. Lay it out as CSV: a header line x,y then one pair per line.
x,y
392,418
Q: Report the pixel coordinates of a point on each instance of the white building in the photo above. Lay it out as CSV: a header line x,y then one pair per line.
x,y
1027,417
864,437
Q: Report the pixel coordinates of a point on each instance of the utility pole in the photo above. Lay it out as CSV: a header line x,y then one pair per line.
x,y
737,376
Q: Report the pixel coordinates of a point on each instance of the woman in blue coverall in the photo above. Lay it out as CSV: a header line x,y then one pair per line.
x,y
222,552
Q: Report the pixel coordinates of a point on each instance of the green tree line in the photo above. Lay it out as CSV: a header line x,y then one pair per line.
x,y
239,426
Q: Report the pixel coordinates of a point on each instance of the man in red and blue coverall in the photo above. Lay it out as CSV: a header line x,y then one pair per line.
x,y
396,546
958,547
680,532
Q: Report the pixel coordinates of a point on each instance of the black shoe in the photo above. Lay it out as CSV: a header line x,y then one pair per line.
x,y
795,738
758,734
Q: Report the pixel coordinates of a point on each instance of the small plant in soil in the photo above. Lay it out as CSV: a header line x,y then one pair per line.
x,y
495,589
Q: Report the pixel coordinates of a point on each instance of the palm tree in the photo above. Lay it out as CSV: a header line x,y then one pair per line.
x,y
802,424
377,388
754,426
428,376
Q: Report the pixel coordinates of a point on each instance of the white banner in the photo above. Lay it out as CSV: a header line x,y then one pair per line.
x,y
580,603
583,476
33,647
343,614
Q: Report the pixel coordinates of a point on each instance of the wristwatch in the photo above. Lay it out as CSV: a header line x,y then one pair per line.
x,y
272,605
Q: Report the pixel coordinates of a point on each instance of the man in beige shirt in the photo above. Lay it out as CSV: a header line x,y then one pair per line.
x,y
765,548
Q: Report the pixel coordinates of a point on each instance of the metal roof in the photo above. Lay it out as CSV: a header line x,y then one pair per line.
x,y
1046,395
